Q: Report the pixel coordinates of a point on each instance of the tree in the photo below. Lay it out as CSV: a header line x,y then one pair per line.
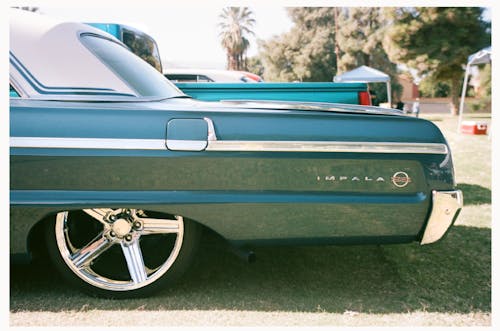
x,y
361,35
235,24
306,52
485,80
483,97
429,87
254,65
436,41
326,41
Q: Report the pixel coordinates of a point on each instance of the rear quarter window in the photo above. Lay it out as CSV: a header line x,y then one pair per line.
x,y
135,72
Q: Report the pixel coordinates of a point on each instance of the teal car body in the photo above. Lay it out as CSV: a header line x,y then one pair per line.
x,y
101,166
301,192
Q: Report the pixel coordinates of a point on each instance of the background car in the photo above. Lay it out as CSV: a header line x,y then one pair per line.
x,y
211,75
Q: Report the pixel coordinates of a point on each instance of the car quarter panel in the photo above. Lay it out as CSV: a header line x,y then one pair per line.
x,y
248,196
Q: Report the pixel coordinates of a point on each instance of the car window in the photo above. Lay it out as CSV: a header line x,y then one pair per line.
x,y
143,46
181,77
13,93
138,74
188,78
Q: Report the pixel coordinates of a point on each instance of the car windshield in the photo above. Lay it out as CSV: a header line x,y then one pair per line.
x,y
135,72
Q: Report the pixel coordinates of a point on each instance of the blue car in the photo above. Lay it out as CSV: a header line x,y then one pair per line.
x,y
117,172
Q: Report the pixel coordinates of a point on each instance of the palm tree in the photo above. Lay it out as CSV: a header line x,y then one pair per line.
x,y
235,24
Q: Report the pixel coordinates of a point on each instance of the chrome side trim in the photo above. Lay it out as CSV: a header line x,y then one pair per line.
x,y
232,145
446,206
86,143
326,146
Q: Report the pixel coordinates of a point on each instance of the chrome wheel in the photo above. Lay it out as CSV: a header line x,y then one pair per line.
x,y
118,250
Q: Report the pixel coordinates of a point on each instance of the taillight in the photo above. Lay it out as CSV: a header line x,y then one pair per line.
x,y
364,98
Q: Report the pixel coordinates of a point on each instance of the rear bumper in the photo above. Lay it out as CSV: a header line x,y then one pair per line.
x,y
446,206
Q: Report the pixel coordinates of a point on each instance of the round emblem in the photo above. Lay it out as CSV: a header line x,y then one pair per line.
x,y
400,179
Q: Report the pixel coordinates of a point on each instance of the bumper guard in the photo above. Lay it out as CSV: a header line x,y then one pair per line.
x,y
446,206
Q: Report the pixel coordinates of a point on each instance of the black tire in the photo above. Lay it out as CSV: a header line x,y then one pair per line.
x,y
107,253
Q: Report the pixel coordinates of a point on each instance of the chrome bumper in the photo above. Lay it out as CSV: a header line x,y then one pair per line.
x,y
446,206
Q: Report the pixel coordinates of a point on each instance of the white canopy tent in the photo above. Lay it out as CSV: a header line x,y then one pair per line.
x,y
481,57
366,74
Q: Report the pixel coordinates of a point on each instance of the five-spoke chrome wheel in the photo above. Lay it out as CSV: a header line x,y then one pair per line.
x,y
117,251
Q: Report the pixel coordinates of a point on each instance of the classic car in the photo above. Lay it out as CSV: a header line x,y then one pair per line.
x,y
115,171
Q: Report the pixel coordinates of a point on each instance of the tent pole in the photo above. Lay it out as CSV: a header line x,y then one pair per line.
x,y
462,99
389,94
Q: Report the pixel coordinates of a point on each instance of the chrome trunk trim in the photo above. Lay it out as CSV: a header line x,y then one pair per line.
x,y
446,206
326,146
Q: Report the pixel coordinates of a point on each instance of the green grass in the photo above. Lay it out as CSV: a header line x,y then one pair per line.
x,y
475,194
471,153
446,283
450,276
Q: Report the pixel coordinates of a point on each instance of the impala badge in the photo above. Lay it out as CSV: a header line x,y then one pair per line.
x,y
400,179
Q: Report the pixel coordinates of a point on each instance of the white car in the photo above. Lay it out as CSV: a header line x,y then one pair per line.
x,y
210,75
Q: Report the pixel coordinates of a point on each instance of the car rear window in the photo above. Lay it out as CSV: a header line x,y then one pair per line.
x,y
135,72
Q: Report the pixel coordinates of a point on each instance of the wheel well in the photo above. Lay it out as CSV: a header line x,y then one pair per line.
x,y
37,247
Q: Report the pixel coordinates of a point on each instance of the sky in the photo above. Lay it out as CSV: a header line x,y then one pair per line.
x,y
186,31
187,36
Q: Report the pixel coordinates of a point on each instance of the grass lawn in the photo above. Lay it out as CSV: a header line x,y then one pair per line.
x,y
443,284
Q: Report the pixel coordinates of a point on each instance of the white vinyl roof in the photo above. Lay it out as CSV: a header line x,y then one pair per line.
x,y
363,74
47,56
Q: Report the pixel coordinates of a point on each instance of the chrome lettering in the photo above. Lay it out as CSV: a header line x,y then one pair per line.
x,y
399,179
